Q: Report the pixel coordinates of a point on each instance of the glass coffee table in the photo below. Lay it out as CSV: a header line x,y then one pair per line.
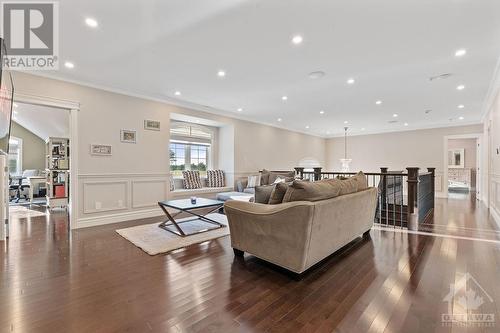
x,y
198,224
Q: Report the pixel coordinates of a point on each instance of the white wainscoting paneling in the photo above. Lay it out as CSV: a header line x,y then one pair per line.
x,y
113,198
105,196
147,192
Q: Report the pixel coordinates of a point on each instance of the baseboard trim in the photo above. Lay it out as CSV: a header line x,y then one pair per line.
x,y
93,221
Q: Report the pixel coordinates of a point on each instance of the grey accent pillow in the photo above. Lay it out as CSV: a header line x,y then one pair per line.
x,y
278,193
263,193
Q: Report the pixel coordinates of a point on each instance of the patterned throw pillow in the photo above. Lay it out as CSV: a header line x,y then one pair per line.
x,y
253,181
215,178
172,184
191,179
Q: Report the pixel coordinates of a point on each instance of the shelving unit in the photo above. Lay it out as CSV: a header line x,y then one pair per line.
x,y
57,169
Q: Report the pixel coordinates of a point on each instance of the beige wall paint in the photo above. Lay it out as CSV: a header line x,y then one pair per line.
x,y
397,150
470,150
33,148
115,186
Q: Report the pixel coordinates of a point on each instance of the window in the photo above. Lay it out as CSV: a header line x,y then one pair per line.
x,y
15,156
190,148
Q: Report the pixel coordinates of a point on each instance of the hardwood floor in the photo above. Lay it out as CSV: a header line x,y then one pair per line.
x,y
92,280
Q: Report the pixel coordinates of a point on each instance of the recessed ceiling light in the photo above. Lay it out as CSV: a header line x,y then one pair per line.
x,y
322,112
221,73
395,115
461,106
284,98
68,64
240,109
460,53
346,122
460,87
177,93
316,75
350,81
307,126
406,124
378,102
297,39
362,128
461,118
279,119
91,22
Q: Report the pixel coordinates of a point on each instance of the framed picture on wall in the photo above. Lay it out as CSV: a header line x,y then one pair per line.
x,y
100,150
152,125
128,136
456,158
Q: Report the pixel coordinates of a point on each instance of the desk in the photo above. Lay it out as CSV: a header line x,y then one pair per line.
x,y
34,181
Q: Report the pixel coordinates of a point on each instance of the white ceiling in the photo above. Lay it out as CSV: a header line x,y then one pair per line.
x,y
390,47
42,121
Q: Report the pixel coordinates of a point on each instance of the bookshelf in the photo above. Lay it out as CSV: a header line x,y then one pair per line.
x,y
57,169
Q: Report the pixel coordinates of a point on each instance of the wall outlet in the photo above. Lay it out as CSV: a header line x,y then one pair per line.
x,y
98,205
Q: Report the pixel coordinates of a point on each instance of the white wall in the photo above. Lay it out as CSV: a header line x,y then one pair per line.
x,y
396,150
492,165
128,184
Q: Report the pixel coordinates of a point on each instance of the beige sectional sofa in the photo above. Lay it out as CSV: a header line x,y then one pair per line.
x,y
298,234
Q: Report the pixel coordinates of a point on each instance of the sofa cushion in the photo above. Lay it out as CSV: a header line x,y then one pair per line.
x,y
361,180
215,178
312,191
264,177
278,193
191,179
263,193
288,175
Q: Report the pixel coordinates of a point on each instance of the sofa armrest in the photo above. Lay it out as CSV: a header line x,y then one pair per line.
x,y
276,233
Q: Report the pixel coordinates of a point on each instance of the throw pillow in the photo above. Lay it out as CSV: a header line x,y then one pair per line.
x,y
287,174
172,184
215,178
361,180
312,191
278,193
263,193
253,181
191,179
264,177
279,179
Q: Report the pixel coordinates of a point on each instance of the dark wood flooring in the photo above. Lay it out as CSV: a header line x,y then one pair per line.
x,y
93,280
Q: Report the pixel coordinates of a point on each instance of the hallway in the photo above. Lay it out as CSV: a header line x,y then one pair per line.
x,y
93,280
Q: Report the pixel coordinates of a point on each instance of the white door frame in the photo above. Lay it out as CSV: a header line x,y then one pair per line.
x,y
73,108
479,161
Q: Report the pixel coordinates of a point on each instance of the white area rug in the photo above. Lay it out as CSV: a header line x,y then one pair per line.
x,y
154,240
22,212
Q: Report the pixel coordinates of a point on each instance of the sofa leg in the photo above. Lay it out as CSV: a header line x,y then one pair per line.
x,y
238,253
366,235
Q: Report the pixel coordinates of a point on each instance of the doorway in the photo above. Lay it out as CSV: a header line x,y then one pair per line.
x,y
39,161
463,157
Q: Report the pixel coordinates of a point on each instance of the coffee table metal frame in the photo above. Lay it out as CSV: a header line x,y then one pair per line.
x,y
177,224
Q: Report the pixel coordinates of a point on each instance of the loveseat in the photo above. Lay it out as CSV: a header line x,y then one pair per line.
x,y
297,234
